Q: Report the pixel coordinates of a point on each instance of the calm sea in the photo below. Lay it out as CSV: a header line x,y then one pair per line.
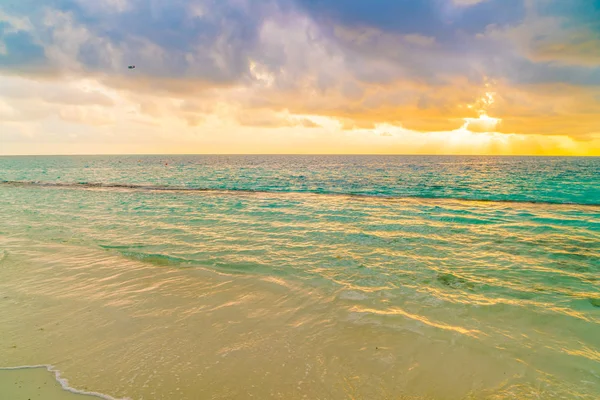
x,y
290,277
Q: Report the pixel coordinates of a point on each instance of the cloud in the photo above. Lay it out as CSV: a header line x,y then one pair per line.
x,y
467,2
329,65
86,115
14,24
270,119
49,91
308,123
440,19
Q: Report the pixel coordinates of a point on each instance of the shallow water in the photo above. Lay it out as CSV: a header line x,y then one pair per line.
x,y
304,277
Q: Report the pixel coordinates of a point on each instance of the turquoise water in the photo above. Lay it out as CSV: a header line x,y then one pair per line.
x,y
480,273
533,179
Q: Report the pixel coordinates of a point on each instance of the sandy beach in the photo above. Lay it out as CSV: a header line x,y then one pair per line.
x,y
38,383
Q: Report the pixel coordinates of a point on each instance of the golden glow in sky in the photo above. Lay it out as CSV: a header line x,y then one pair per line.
x,y
291,76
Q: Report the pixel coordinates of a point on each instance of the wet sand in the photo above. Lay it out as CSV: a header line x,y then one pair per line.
x,y
35,383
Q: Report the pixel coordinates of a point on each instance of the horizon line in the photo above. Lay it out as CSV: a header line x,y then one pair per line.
x,y
298,154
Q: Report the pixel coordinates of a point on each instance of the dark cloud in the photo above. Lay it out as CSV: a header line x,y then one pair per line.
x,y
441,19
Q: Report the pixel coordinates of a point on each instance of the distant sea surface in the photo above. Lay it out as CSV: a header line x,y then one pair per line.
x,y
291,277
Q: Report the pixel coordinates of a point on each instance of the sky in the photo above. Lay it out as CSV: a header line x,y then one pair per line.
x,y
512,77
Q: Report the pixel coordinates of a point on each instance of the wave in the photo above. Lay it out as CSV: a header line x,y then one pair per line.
x,y
151,258
174,188
64,383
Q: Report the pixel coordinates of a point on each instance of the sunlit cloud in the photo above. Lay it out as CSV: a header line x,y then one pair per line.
x,y
455,76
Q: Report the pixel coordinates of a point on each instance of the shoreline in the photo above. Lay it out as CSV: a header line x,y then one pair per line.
x,y
48,392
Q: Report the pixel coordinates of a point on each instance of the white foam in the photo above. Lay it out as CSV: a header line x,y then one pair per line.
x,y
64,383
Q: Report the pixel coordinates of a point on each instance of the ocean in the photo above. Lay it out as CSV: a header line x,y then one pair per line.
x,y
300,277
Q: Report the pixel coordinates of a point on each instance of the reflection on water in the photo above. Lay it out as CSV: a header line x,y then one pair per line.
x,y
572,180
187,295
